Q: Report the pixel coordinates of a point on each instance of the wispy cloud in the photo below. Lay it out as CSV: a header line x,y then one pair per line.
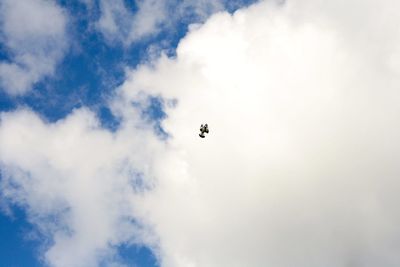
x,y
34,33
119,23
115,21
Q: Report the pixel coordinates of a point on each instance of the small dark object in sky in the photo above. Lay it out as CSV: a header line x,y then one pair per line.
x,y
203,129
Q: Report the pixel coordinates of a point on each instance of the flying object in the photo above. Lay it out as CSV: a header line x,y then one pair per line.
x,y
203,129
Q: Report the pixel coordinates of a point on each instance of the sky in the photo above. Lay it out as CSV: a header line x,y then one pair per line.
x,y
100,108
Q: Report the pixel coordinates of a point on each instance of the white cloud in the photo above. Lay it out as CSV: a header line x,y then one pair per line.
x,y
299,169
73,178
148,19
115,19
34,33
118,23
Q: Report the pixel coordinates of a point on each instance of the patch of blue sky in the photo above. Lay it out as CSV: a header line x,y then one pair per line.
x,y
232,5
135,255
4,55
16,250
154,113
6,102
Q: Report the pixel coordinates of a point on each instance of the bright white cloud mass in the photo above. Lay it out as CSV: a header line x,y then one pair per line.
x,y
34,32
300,167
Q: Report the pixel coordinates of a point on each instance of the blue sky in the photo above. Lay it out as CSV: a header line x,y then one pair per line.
x,y
87,75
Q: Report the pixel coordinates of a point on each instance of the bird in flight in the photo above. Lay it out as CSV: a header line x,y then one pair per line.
x,y
203,129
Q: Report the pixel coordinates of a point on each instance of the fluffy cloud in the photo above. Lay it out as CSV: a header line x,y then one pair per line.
x,y
300,167
73,178
34,33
